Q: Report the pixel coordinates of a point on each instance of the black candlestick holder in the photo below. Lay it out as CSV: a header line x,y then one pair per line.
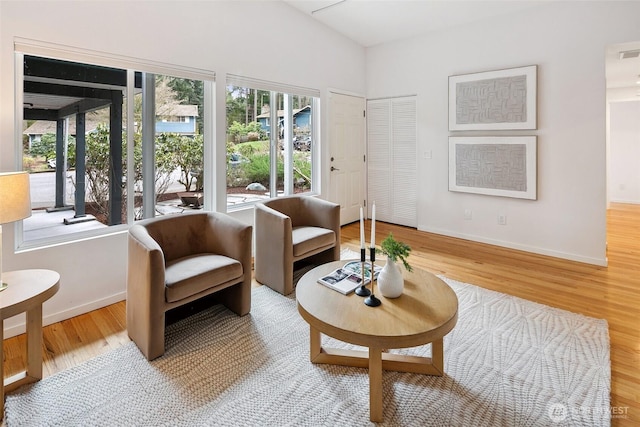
x,y
362,290
371,300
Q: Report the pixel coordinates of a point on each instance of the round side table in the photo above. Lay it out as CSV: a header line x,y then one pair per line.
x,y
27,290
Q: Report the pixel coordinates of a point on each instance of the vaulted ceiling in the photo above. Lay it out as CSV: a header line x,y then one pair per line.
x,y
373,22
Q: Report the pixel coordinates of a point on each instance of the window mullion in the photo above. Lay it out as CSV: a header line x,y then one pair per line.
x,y
148,144
212,177
288,144
130,124
273,146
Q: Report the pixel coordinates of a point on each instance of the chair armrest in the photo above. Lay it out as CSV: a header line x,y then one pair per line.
x,y
145,291
274,239
145,268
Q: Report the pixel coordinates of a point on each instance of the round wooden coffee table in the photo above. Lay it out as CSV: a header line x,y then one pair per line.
x,y
424,313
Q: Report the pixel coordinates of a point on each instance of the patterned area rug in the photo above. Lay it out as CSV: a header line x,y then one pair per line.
x,y
508,362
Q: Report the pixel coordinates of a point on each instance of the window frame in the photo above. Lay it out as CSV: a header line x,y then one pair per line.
x,y
29,47
287,91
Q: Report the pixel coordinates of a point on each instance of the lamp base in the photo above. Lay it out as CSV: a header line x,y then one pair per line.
x,y
3,286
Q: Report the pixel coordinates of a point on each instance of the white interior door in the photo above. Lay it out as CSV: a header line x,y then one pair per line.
x,y
346,168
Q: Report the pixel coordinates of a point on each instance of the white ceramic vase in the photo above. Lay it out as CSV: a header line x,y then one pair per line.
x,y
390,281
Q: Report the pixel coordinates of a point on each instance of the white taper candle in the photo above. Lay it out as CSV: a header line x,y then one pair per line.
x,y
373,226
361,228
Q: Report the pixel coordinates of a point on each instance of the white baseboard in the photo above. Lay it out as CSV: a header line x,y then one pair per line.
x,y
48,319
602,262
627,202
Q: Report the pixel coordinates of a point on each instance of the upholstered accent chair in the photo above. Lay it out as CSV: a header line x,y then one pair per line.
x,y
290,229
176,259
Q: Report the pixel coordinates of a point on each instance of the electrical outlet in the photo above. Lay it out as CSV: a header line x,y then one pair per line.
x,y
468,214
502,219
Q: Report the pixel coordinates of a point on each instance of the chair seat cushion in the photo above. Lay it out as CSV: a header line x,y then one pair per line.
x,y
308,239
196,273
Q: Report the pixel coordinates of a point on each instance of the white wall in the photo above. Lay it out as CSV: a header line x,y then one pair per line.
x,y
265,40
624,160
567,41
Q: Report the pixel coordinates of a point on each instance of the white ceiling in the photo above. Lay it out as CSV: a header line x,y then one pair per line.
x,y
373,22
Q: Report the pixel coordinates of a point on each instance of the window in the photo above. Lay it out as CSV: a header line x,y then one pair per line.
x,y
99,153
73,145
266,161
171,151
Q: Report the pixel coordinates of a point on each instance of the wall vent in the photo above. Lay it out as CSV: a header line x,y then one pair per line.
x,y
627,54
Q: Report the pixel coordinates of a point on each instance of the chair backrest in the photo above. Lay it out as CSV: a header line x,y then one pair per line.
x,y
291,206
178,235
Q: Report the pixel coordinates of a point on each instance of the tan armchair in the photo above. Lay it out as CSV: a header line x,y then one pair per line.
x,y
177,259
290,229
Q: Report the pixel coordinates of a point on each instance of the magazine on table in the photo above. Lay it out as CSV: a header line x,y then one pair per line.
x,y
348,277
355,266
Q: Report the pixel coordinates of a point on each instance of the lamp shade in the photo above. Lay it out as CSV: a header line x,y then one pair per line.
x,y
15,198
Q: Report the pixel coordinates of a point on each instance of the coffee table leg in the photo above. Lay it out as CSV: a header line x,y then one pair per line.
x,y
315,343
375,384
437,355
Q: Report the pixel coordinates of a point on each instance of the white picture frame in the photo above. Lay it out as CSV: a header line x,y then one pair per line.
x,y
495,165
494,100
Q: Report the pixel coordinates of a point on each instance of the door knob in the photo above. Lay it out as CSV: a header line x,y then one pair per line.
x,y
334,169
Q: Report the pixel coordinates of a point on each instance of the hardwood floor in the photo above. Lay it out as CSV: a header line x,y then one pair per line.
x,y
612,293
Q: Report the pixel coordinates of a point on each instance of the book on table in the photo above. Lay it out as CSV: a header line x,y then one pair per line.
x,y
348,277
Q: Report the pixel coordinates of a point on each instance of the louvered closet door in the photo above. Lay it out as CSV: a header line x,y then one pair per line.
x,y
379,156
392,159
